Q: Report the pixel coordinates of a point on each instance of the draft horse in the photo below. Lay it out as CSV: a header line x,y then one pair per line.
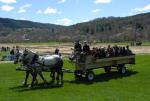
x,y
37,64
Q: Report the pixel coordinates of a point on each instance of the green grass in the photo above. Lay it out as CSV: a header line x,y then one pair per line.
x,y
3,54
134,86
146,44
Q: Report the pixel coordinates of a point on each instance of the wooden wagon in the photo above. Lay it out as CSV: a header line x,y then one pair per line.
x,y
84,65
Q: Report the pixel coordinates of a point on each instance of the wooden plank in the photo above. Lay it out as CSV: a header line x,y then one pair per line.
x,y
115,58
101,63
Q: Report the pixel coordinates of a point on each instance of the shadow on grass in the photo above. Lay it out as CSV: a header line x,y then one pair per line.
x,y
36,87
104,77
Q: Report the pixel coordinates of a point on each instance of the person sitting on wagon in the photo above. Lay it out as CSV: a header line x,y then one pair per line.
x,y
93,51
109,51
77,47
86,48
128,51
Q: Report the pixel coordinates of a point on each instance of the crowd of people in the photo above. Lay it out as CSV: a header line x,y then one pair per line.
x,y
4,49
14,52
102,52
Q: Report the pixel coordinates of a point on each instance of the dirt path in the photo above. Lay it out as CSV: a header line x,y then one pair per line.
x,y
66,48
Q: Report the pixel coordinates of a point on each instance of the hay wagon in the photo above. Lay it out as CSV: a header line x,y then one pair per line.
x,y
85,64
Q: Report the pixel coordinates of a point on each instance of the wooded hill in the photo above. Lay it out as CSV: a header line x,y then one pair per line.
x,y
110,29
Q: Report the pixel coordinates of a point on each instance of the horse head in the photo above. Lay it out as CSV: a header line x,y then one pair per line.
x,y
27,57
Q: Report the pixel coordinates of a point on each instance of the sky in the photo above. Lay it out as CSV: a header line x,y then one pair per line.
x,y
68,12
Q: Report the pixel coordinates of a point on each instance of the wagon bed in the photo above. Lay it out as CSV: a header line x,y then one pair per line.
x,y
91,63
85,64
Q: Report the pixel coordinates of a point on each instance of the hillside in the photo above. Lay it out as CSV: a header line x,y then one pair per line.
x,y
131,28
20,30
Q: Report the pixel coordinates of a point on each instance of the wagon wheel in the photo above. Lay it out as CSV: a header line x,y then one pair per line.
x,y
122,69
90,75
107,69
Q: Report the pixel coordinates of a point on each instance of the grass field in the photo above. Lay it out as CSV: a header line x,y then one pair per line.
x,y
3,54
134,86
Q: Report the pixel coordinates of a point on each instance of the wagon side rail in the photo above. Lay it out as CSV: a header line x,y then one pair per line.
x,y
100,63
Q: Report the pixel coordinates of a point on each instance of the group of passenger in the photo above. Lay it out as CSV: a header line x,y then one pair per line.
x,y
103,52
78,47
113,51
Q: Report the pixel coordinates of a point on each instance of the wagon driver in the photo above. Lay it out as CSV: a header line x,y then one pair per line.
x,y
86,48
77,47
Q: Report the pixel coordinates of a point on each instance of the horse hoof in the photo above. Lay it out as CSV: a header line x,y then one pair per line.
x,y
30,86
23,82
24,85
60,84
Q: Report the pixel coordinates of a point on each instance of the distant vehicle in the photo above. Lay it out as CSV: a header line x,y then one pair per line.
x,y
139,43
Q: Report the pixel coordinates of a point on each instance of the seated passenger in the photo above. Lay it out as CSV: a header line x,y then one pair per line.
x,y
110,51
128,51
116,50
103,52
86,48
93,51
124,51
77,47
97,53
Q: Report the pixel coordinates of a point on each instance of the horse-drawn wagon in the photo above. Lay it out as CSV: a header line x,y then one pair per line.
x,y
84,64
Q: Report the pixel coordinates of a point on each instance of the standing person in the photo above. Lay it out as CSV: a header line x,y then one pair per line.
x,y
86,48
57,52
77,47
17,54
12,53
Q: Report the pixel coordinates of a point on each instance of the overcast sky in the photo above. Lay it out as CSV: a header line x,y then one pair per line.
x,y
67,12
